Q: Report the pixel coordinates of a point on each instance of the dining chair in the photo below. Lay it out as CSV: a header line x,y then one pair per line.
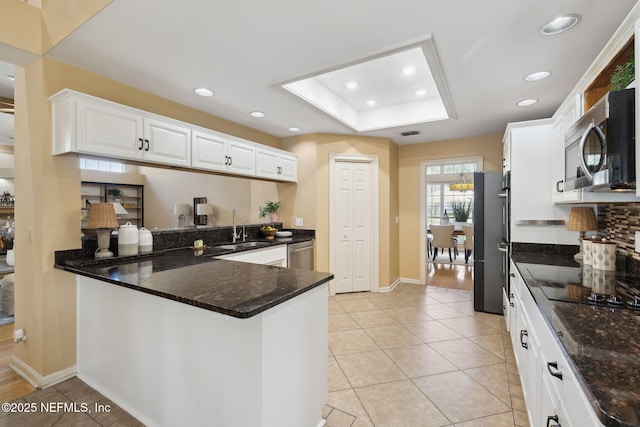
x,y
468,241
442,238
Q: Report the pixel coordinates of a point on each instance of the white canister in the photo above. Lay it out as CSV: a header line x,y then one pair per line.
x,y
145,241
604,255
587,249
127,240
604,282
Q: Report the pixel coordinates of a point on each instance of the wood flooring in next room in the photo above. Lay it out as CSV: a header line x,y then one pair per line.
x,y
450,276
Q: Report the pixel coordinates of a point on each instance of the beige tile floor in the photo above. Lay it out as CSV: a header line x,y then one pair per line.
x,y
419,356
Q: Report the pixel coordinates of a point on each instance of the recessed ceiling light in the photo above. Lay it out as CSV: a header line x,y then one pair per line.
x,y
351,84
537,76
408,70
258,114
559,24
421,92
203,91
371,102
294,129
527,102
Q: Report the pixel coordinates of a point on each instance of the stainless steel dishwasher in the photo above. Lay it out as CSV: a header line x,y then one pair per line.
x,y
300,255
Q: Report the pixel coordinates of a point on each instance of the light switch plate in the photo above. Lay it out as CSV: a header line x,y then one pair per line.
x,y
299,222
637,241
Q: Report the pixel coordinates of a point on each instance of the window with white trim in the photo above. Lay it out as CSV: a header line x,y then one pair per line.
x,y
439,176
101,165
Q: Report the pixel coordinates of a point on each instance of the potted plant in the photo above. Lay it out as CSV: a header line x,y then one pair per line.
x,y
116,194
270,209
623,76
461,210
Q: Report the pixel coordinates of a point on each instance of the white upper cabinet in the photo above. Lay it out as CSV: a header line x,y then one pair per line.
x,y
85,124
167,141
104,129
276,164
218,152
534,217
90,125
242,157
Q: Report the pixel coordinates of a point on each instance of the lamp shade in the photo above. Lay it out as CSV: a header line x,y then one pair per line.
x,y
582,219
103,215
204,209
181,209
120,210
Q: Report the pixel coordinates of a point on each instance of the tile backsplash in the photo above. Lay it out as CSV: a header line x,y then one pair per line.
x,y
619,222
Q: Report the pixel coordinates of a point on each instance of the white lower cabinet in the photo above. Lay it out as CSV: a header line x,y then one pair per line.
x,y
274,255
551,390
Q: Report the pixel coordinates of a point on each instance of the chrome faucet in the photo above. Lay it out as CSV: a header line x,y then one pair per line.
x,y
236,235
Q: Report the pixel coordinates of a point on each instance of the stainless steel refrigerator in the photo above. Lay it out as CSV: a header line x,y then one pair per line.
x,y
488,239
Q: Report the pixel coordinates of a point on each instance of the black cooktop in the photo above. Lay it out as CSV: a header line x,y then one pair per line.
x,y
585,285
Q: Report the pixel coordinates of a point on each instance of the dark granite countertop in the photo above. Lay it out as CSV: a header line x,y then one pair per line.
x,y
602,344
198,278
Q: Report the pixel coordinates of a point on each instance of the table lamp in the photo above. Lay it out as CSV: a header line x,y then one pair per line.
x,y
204,209
182,210
103,219
581,219
120,210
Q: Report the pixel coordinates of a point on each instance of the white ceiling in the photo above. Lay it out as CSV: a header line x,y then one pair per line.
x,y
242,50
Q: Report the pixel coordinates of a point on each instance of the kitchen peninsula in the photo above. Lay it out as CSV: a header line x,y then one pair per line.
x,y
183,338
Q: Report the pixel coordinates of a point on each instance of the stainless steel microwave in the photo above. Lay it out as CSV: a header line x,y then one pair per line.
x,y
600,147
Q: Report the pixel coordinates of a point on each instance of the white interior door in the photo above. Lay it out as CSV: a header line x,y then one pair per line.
x,y
352,207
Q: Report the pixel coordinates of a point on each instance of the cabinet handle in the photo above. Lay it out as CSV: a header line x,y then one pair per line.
x,y
141,144
552,367
558,186
524,333
147,147
230,160
511,303
553,418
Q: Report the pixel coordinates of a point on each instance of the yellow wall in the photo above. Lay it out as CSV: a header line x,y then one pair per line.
x,y
310,199
410,156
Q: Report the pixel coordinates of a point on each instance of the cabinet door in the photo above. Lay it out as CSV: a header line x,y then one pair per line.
x,y
166,142
267,163
288,168
209,151
104,129
242,157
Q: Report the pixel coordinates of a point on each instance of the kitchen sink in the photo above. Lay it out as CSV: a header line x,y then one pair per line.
x,y
242,245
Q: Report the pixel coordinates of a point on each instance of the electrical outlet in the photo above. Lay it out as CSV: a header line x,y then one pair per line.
x,y
299,222
637,241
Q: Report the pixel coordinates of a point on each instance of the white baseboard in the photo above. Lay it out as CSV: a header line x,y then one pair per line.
x,y
35,379
411,281
391,287
321,423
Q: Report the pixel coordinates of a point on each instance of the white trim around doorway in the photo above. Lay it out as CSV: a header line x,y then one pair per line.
x,y
375,220
423,204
